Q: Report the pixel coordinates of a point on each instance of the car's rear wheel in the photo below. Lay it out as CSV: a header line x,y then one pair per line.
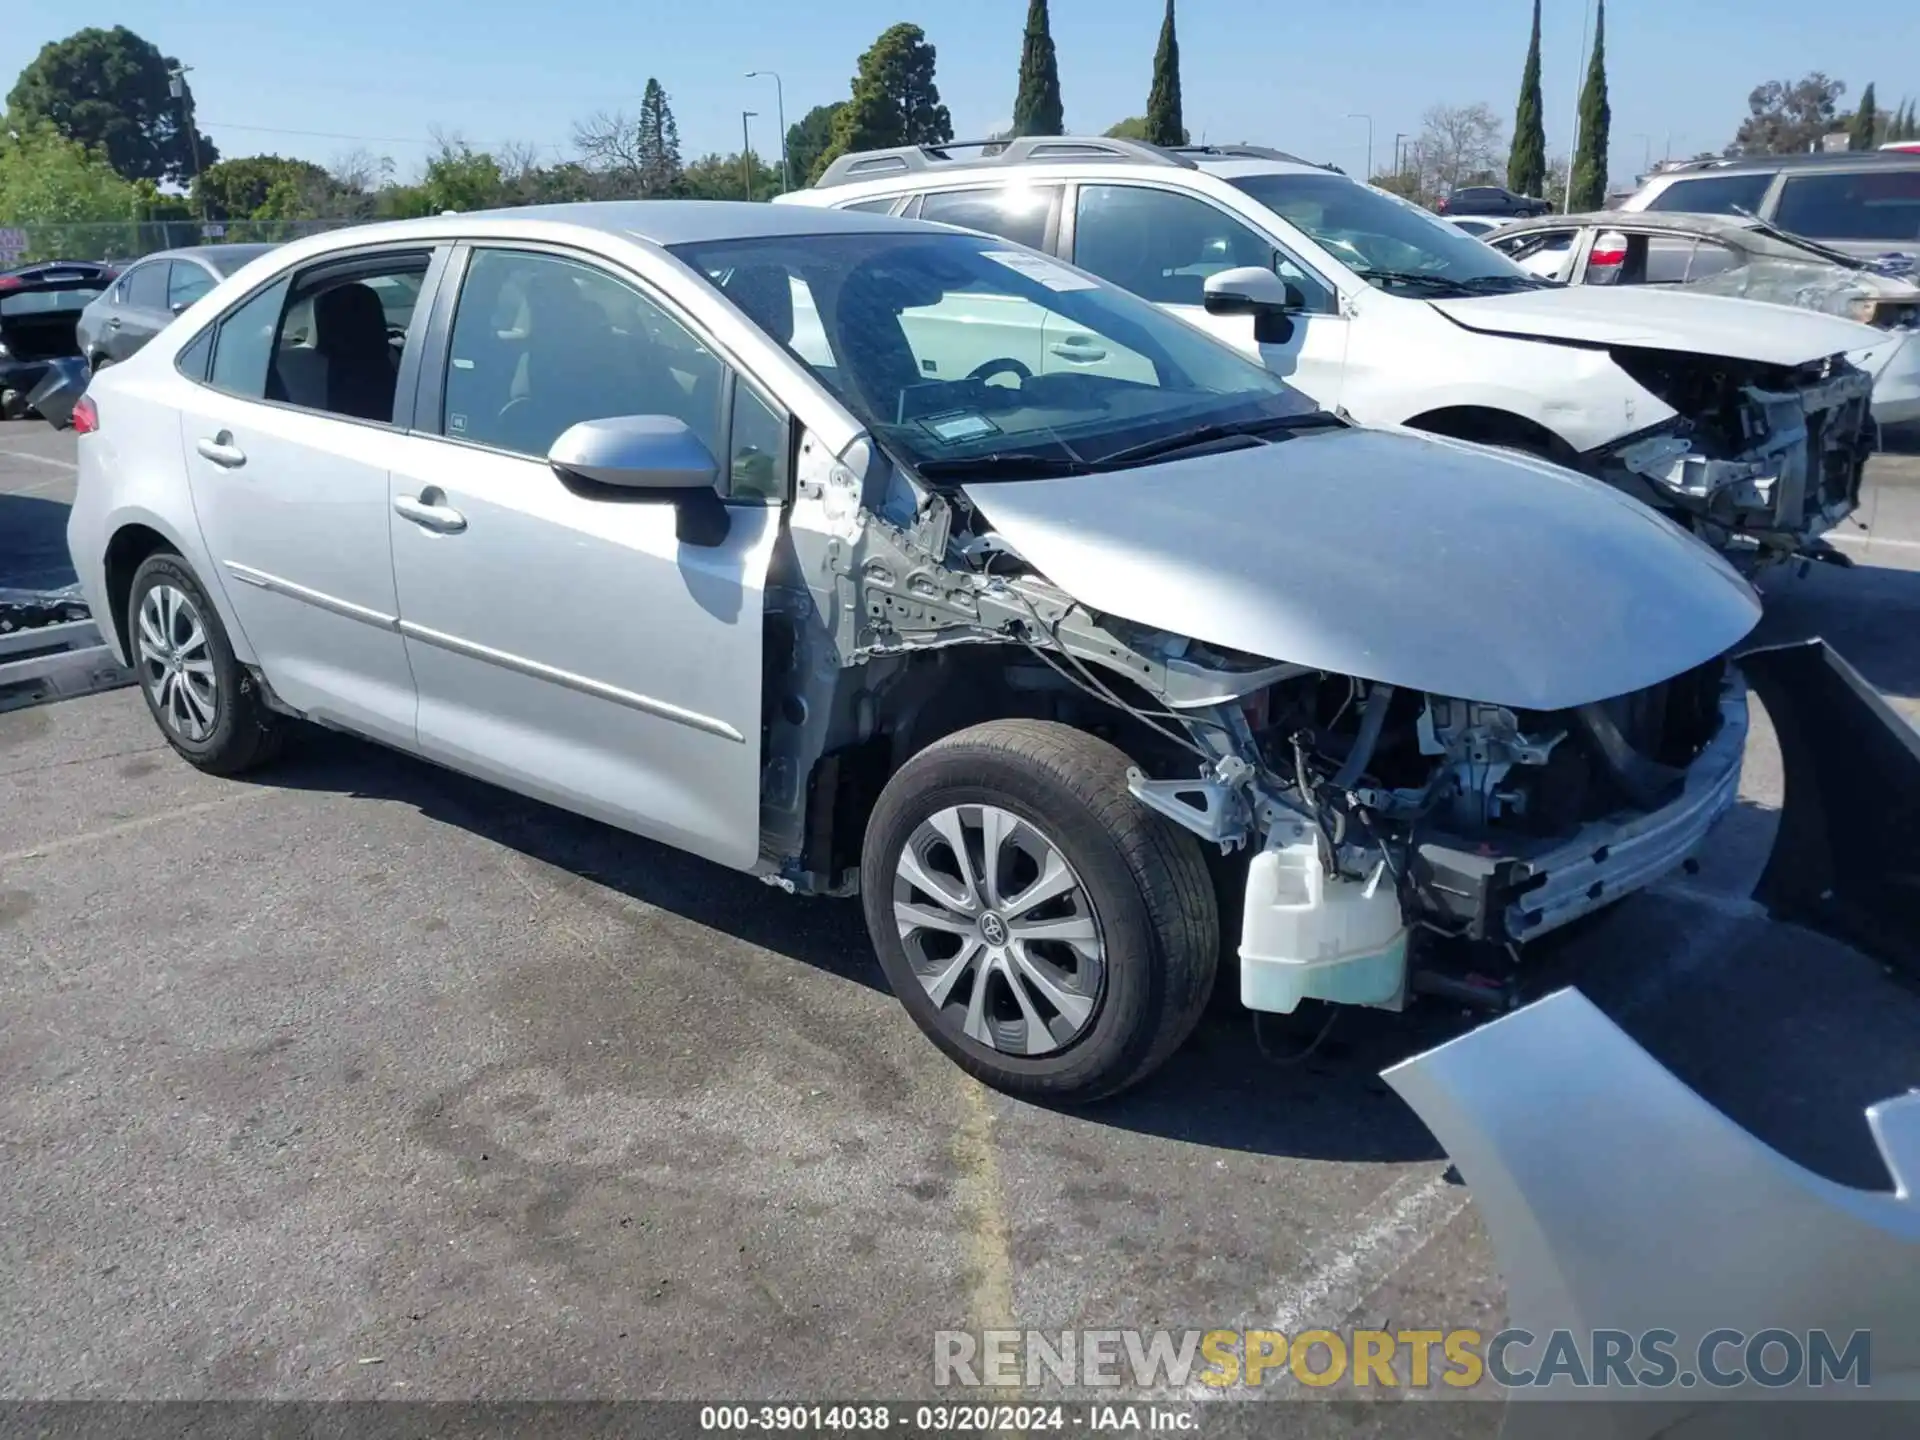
x,y
205,702
1053,936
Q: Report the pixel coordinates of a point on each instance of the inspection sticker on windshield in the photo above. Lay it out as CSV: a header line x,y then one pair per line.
x,y
1038,267
962,425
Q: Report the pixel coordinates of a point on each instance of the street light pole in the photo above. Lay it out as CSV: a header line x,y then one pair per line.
x,y
1399,161
780,106
1369,120
746,152
177,88
1580,75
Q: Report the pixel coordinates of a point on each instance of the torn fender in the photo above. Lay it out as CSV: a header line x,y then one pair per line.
x,y
1846,861
1617,1198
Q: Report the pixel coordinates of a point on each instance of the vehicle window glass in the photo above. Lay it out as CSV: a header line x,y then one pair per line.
x,y
338,348
541,343
243,345
882,206
146,285
1014,212
1711,258
757,449
1544,253
49,302
1714,194
1388,242
1163,245
1667,258
1861,205
192,361
910,379
186,283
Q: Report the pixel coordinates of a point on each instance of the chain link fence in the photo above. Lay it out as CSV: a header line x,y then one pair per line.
x,y
129,240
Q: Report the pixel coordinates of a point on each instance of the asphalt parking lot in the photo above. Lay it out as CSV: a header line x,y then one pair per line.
x,y
358,1079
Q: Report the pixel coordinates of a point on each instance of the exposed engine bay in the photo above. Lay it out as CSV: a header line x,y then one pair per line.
x,y
1766,455
1367,812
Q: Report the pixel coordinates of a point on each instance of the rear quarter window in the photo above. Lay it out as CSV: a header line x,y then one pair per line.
x,y
1856,205
1714,194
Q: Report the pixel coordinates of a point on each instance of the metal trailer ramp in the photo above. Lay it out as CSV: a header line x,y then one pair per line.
x,y
50,650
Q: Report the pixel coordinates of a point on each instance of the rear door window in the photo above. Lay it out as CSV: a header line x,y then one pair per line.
x,y
244,343
1021,213
186,283
1857,205
146,286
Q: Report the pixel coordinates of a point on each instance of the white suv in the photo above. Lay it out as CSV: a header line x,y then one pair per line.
x,y
1746,422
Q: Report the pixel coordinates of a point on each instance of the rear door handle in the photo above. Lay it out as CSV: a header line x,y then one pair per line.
x,y
221,450
114,323
1082,351
428,513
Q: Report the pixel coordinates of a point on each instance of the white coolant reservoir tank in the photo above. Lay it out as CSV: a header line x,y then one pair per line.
x,y
1308,935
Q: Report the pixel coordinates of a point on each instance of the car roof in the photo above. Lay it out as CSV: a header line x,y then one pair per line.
x,y
679,222
1689,221
899,167
1809,160
224,258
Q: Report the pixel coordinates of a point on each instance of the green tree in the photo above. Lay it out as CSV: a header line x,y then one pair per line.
x,y
728,177
809,136
658,143
1865,128
461,178
108,90
1788,118
895,100
1036,106
49,183
1527,160
1134,127
1166,125
1596,125
238,189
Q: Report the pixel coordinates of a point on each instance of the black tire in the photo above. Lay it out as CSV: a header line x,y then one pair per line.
x,y
1142,877
243,732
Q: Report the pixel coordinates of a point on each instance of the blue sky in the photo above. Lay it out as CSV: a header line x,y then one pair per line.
x,y
1285,73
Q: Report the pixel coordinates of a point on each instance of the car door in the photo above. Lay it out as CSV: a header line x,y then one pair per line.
x,y
140,309
567,642
972,331
1163,244
288,445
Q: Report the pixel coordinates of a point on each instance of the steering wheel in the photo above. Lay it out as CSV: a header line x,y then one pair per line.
x,y
1003,365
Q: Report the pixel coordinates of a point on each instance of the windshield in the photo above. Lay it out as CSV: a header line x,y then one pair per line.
x,y
952,348
1386,241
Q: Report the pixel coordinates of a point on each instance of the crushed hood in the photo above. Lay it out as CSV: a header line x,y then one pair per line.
x,y
1663,320
1414,560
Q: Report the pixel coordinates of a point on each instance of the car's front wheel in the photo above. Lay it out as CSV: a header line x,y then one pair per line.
x,y
207,705
1053,936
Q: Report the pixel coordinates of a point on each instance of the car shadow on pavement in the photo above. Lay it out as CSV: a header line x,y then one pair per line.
x,y
1869,614
33,543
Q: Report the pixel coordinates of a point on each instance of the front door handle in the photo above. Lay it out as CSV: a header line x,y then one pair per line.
x,y
429,513
1081,351
221,450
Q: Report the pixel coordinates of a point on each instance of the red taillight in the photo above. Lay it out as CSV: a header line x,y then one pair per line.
x,y
11,282
86,419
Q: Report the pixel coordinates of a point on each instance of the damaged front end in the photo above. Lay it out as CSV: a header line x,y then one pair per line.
x,y
1761,460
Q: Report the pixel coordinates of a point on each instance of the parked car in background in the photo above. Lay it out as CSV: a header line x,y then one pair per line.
x,y
1864,202
1478,226
39,270
1695,404
149,293
1490,200
1739,256
1008,649
40,306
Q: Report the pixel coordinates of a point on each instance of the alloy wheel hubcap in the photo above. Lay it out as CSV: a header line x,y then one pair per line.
x,y
176,663
999,930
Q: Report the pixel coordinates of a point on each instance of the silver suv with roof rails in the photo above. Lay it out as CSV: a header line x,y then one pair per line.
x,y
1749,424
1866,203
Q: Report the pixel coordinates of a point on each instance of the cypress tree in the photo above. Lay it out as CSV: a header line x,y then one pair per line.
x,y
1165,123
1527,161
1866,120
1596,123
1036,108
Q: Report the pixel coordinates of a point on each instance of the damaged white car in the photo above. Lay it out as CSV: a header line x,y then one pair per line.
x,y
1051,666
1749,425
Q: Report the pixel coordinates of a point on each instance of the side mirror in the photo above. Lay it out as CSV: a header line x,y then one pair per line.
x,y
653,457
1250,290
